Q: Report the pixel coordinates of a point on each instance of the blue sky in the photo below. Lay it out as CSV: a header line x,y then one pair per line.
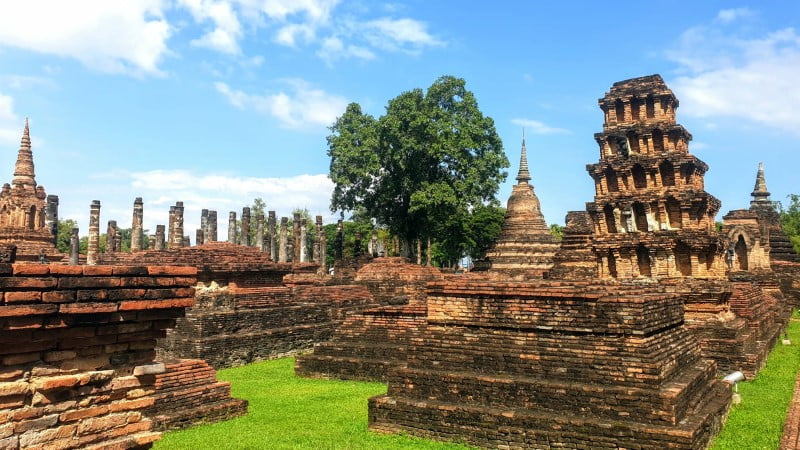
x,y
215,102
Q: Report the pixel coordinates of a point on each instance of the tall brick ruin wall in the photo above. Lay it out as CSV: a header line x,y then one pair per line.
x,y
77,365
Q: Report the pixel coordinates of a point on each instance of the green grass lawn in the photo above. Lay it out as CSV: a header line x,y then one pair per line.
x,y
299,413
291,412
757,422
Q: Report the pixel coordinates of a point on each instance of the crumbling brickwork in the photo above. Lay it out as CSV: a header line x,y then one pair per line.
x,y
554,364
77,366
188,393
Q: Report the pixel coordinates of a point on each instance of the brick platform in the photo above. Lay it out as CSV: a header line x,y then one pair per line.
x,y
77,365
188,394
235,326
554,364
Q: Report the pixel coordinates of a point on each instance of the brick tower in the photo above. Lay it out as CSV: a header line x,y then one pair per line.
x,y
28,216
651,215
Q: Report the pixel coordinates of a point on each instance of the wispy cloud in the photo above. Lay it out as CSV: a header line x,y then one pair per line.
x,y
10,130
537,127
117,37
303,106
227,29
725,73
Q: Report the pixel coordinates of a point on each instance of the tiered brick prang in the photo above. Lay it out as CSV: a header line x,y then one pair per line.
x,y
575,259
77,365
525,247
371,343
188,393
651,214
554,365
235,326
28,216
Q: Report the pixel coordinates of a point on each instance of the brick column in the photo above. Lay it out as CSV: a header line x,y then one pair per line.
x,y
111,236
51,216
282,256
260,231
357,244
273,242
178,240
373,242
338,244
319,250
74,246
244,238
296,237
160,239
137,232
211,234
198,237
94,233
232,227
170,226
303,245
203,227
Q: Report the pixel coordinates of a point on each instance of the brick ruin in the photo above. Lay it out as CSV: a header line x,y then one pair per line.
x,y
548,364
370,344
78,366
525,247
28,216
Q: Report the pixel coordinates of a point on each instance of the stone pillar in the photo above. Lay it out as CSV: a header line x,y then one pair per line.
x,y
296,237
74,246
273,241
51,216
282,256
111,236
260,231
137,232
198,237
160,238
186,242
244,238
211,234
170,226
357,245
323,245
419,252
319,250
232,227
178,231
117,241
303,243
203,228
373,242
338,244
93,249
428,253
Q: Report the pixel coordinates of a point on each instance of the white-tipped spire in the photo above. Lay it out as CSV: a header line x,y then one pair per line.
x,y
524,175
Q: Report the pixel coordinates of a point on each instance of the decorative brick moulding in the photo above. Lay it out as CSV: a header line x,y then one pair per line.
x,y
77,366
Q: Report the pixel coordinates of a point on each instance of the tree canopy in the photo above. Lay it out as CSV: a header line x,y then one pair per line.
x,y
422,167
790,220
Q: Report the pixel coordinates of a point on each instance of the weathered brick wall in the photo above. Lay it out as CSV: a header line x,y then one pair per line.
x,y
235,326
394,280
221,262
554,365
77,365
366,346
188,393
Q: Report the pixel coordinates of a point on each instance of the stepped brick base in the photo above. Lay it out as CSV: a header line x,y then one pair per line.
x,y
554,365
366,346
188,393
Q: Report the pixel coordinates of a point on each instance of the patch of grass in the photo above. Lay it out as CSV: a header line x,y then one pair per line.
x,y
292,412
757,422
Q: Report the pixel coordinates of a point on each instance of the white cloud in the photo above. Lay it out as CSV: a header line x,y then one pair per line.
x,y
303,107
110,36
722,74
333,49
393,34
537,127
729,15
227,29
290,34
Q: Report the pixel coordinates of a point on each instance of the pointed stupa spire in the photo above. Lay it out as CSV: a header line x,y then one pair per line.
x,y
523,176
760,193
23,170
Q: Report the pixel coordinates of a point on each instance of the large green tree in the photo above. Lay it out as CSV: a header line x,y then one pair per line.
x,y
420,168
